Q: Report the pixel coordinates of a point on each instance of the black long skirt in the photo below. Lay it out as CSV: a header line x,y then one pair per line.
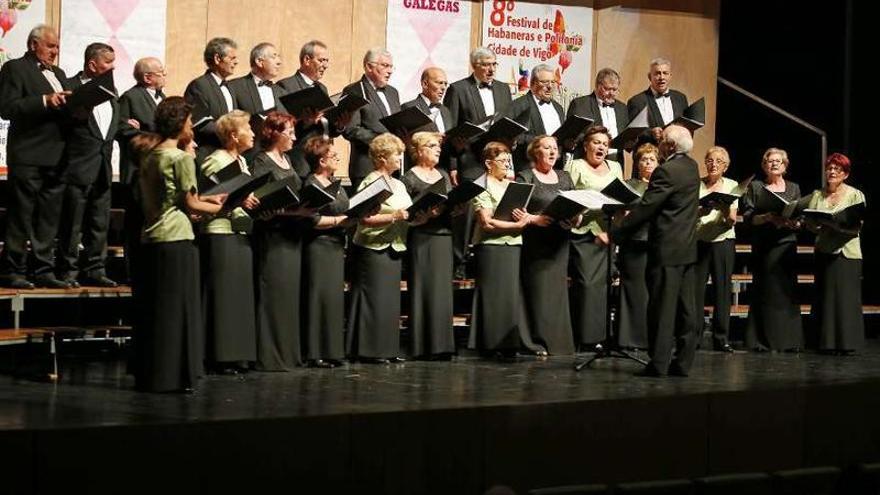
x,y
838,307
498,320
278,256
430,294
715,259
374,316
632,332
324,298
588,294
169,349
544,275
228,298
774,314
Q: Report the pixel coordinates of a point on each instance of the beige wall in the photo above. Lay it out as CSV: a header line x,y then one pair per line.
x,y
627,34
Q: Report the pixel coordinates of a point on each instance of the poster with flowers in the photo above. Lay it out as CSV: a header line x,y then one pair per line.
x,y
17,18
523,35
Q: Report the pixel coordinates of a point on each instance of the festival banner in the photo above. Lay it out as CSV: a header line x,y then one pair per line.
x,y
523,35
427,33
17,18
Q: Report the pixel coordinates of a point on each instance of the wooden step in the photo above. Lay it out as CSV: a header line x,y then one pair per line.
x,y
747,249
742,310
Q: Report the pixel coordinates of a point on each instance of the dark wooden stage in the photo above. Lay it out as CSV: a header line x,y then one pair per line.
x,y
436,427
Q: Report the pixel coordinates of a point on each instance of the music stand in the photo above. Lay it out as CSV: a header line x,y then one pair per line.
x,y
611,348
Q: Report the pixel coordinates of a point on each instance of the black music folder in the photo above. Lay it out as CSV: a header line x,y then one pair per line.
x,y
516,196
628,137
573,127
370,197
406,121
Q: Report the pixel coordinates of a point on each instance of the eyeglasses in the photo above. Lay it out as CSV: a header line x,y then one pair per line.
x,y
506,162
710,161
547,84
384,65
776,161
486,65
162,73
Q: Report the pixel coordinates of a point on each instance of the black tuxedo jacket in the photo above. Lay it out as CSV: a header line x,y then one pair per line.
x,y
365,124
247,96
36,133
588,106
445,115
525,111
671,206
204,94
293,84
137,104
465,105
88,151
646,97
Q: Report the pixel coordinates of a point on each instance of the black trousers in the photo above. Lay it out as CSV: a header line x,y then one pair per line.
x,y
86,219
33,214
716,259
671,316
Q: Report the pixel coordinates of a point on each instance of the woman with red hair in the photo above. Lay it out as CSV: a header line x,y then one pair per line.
x,y
837,311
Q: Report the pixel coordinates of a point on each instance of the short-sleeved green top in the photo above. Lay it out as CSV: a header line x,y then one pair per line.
x,y
392,235
166,176
489,200
235,221
829,241
584,178
712,227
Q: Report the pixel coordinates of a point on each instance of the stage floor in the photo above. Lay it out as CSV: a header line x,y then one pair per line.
x,y
97,392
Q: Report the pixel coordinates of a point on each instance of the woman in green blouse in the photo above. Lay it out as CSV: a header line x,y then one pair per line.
x,y
498,321
379,244
227,260
838,308
170,340
716,249
589,242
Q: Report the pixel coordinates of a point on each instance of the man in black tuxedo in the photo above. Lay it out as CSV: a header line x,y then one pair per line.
x,y
603,107
430,102
257,93
137,110
87,177
475,99
314,60
209,94
365,125
670,205
537,111
32,97
664,104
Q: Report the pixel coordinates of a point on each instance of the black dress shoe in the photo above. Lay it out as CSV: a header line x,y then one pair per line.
x,y
320,363
374,360
649,372
50,282
17,282
99,281
72,282
396,359
724,348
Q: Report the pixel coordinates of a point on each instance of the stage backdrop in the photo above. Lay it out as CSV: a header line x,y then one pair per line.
x,y
17,18
422,34
523,35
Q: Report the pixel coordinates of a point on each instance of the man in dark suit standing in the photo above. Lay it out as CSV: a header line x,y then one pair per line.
x,y
137,111
671,206
257,93
365,125
314,60
209,95
32,94
603,107
664,104
430,102
537,111
87,178
475,99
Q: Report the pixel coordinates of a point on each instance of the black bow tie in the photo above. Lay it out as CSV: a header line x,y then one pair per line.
x,y
381,90
160,95
434,105
43,66
607,104
485,85
266,83
664,95
542,102
223,83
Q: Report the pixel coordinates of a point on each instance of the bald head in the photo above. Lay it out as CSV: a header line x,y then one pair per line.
x,y
434,84
149,72
676,139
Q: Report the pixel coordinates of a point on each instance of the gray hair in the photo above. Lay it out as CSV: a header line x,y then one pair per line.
x,y
38,32
606,74
373,55
539,68
679,137
218,47
308,50
479,53
661,61
144,66
260,51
